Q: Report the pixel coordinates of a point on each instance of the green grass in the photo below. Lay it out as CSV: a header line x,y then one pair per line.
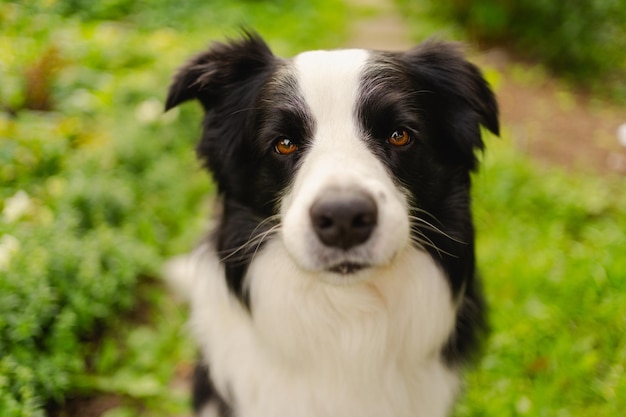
x,y
550,249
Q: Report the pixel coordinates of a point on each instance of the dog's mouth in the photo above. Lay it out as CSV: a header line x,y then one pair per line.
x,y
347,268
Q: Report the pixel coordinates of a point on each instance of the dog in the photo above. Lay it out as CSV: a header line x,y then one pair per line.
x,y
339,277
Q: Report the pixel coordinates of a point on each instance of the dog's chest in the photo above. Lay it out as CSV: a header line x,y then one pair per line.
x,y
313,349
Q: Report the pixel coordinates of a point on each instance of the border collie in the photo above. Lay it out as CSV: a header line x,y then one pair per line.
x,y
339,278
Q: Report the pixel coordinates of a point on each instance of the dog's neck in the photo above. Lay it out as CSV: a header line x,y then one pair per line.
x,y
399,313
360,349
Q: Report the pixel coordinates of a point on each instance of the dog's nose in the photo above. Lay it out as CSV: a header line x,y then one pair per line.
x,y
344,219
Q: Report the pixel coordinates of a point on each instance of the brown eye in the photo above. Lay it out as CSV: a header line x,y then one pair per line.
x,y
399,137
285,146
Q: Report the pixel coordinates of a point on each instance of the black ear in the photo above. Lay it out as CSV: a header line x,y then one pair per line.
x,y
227,79
459,98
210,74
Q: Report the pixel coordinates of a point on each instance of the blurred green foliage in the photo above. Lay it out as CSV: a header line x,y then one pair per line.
x,y
550,249
98,186
584,41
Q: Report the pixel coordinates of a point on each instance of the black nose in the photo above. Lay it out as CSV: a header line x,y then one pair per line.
x,y
344,219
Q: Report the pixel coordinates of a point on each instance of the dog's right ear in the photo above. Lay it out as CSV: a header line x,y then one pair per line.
x,y
210,75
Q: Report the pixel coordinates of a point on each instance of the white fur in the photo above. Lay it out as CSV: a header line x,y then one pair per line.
x,y
210,410
312,347
314,350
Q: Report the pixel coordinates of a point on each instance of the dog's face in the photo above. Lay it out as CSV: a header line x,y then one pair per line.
x,y
348,156
343,213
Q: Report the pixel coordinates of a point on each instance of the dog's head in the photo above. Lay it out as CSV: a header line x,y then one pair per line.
x,y
350,156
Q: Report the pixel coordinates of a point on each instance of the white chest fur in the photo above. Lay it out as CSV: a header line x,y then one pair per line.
x,y
311,349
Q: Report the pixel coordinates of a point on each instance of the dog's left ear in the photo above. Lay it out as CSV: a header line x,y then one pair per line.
x,y
459,97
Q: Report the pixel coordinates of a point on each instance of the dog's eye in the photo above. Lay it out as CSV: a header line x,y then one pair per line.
x,y
399,137
285,146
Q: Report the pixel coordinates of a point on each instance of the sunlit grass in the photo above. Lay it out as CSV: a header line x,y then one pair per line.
x,y
550,247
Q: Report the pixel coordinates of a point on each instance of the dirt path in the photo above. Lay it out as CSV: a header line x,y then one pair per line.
x,y
553,123
548,121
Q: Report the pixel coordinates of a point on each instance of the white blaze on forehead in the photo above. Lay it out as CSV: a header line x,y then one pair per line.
x,y
329,82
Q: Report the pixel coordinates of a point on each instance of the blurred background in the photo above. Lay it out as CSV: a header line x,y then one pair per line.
x,y
98,187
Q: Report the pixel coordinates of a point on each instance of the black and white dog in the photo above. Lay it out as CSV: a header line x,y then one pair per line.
x,y
339,277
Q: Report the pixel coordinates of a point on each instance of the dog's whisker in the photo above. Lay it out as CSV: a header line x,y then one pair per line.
x,y
418,241
427,213
254,241
429,226
423,239
273,229
264,222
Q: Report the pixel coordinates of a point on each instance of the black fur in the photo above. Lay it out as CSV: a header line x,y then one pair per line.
x,y
204,392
